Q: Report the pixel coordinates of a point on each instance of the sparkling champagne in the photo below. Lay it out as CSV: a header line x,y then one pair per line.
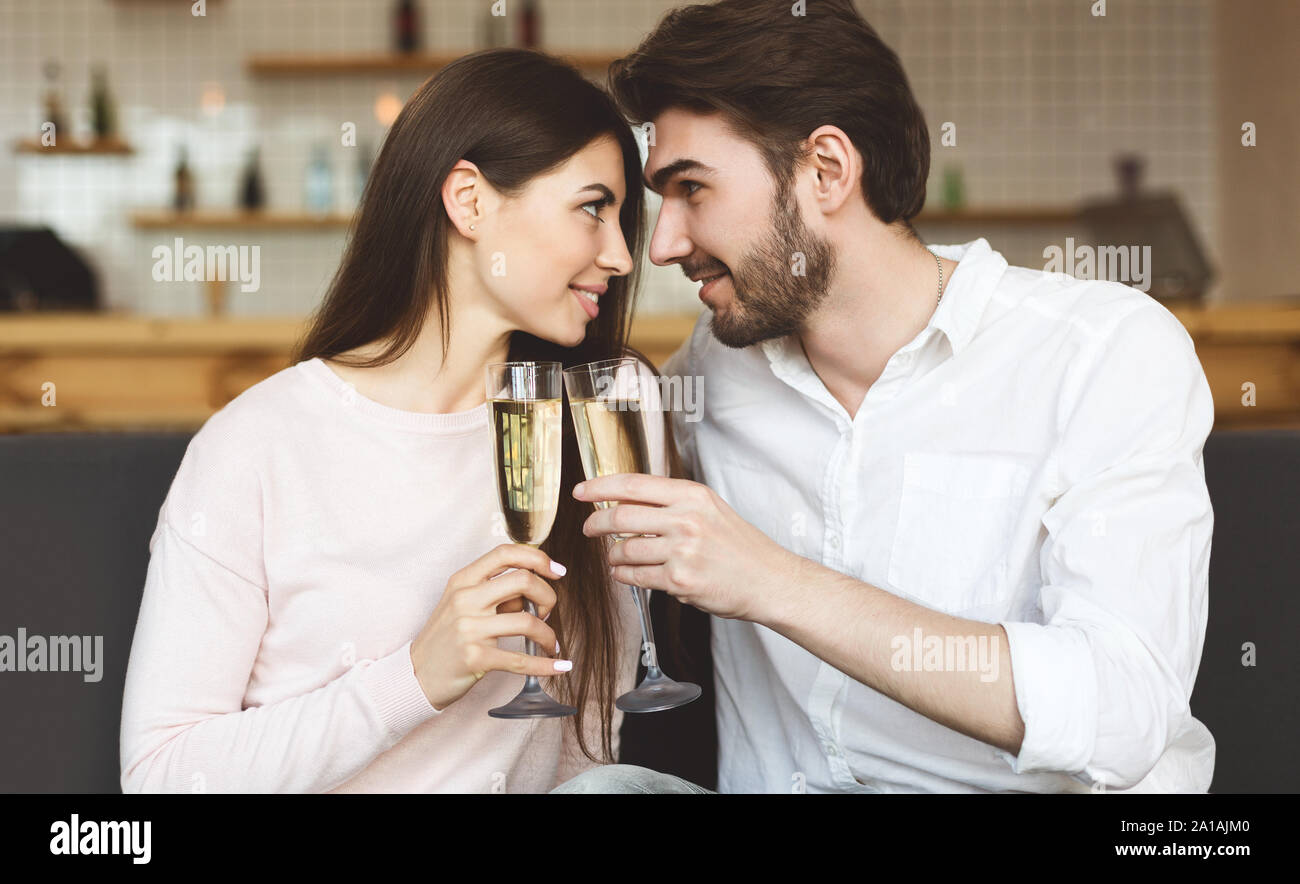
x,y
528,444
611,433
611,439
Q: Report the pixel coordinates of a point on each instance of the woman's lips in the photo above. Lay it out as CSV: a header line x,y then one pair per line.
x,y
587,304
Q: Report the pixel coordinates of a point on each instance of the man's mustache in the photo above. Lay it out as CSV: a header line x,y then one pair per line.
x,y
704,270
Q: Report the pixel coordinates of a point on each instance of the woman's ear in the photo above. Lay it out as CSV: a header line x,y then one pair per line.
x,y
462,192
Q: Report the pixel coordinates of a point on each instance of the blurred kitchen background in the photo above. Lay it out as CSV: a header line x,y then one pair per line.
x,y
1171,123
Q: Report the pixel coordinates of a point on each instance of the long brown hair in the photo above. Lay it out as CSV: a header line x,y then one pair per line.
x,y
515,114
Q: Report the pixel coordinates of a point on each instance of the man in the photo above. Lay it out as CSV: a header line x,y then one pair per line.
x,y
949,516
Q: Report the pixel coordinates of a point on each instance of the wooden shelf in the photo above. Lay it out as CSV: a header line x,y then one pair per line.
x,y
1276,321
312,65
109,146
1001,215
237,219
120,371
78,331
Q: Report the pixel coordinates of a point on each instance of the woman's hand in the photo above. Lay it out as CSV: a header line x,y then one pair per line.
x,y
457,646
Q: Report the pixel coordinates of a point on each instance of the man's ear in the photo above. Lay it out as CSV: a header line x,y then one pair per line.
x,y
462,192
837,165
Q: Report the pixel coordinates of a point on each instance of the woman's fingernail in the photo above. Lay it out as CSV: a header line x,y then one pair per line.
x,y
563,665
557,646
577,489
557,568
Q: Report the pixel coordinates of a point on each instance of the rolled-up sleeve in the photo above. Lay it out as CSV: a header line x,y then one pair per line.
x,y
1103,683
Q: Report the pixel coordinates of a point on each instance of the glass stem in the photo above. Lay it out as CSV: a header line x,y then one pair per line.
x,y
531,682
650,658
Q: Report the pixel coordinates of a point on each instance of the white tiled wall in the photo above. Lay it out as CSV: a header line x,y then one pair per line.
x,y
1043,94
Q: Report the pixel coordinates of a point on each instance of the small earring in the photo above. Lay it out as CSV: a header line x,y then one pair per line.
x,y
471,227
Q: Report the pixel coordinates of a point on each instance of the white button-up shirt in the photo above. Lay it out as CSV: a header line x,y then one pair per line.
x,y
1031,458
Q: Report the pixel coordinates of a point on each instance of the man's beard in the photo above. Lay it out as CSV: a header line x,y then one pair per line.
x,y
771,299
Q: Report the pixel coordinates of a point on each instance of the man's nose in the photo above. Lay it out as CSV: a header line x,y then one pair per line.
x,y
669,243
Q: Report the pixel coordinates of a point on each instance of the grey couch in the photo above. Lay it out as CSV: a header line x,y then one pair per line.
x,y
77,511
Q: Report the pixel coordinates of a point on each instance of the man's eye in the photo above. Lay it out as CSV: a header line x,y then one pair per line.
x,y
595,206
688,185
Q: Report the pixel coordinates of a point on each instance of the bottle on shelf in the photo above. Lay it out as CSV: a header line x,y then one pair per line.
x,y
530,25
407,26
954,188
53,104
183,192
252,192
319,185
102,112
1128,171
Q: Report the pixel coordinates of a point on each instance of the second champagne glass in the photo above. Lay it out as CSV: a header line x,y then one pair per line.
x,y
606,407
525,401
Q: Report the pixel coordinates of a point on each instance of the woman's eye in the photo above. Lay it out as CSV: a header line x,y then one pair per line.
x,y
595,210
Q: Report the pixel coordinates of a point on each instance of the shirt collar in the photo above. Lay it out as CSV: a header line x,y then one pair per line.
x,y
968,292
966,295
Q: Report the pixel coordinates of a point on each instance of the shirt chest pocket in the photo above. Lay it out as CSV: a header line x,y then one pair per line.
x,y
956,515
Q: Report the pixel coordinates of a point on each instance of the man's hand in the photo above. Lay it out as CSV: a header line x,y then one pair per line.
x,y
702,552
707,556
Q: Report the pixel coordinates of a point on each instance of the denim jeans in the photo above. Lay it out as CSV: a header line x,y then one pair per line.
x,y
623,779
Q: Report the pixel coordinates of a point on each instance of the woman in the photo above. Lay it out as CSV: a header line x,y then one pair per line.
x,y
325,608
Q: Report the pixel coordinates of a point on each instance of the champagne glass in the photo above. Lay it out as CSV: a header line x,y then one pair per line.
x,y
525,401
606,407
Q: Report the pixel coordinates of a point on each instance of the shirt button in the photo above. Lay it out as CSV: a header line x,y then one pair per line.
x,y
834,542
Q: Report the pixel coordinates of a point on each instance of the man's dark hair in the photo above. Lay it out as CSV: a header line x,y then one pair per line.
x,y
776,76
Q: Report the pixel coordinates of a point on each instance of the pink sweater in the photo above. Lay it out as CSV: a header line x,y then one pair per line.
x,y
305,540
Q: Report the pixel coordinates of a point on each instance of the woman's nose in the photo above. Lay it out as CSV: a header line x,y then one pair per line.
x,y
614,256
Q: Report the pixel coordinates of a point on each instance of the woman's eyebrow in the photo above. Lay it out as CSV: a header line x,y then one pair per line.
x,y
601,189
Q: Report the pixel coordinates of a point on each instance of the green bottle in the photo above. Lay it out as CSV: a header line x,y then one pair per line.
x,y
101,105
954,190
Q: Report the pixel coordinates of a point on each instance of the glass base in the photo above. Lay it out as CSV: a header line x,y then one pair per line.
x,y
658,692
532,702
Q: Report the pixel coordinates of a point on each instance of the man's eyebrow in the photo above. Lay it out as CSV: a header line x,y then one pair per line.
x,y
601,189
663,175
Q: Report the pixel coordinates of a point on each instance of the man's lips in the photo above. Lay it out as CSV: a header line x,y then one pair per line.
x,y
709,283
697,277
